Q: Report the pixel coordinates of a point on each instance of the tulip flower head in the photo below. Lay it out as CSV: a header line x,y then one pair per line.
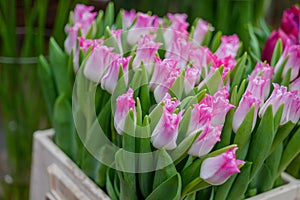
x,y
166,131
216,170
125,102
206,140
248,100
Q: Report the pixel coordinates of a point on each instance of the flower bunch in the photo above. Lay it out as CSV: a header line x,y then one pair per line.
x,y
158,107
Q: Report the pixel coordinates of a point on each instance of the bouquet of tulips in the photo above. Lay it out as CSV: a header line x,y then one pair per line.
x,y
151,110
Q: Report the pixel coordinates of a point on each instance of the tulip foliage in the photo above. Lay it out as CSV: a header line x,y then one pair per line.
x,y
150,110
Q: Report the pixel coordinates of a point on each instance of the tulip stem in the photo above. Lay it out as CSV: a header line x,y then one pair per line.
x,y
190,187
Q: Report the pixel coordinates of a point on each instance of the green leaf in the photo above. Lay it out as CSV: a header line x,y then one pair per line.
x,y
65,134
286,79
241,91
144,91
99,24
109,15
155,116
282,133
47,84
118,23
177,88
216,41
268,172
223,190
291,150
165,166
90,165
181,150
213,83
146,161
238,73
124,162
170,189
277,52
184,124
243,135
240,185
261,141
59,64
278,74
110,173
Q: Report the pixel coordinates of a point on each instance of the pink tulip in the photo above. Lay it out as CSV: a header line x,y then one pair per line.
x,y
295,85
292,63
269,46
117,36
290,23
192,77
98,62
263,70
180,50
124,103
200,31
84,18
206,141
221,106
110,79
169,103
201,57
162,70
127,18
146,50
201,115
71,40
142,26
85,44
166,131
248,100
178,29
276,99
291,110
259,87
216,170
228,47
164,87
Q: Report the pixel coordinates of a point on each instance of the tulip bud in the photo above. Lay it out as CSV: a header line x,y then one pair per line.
x,y
146,52
97,63
83,17
200,57
178,29
110,79
259,87
291,109
192,77
276,99
221,106
117,36
264,70
290,23
228,47
127,18
166,131
200,31
142,26
292,63
71,40
206,141
269,46
124,103
295,85
161,90
216,170
170,104
248,100
180,49
162,70
201,115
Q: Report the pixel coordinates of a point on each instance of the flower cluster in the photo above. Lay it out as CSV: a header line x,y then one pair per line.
x,y
182,104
